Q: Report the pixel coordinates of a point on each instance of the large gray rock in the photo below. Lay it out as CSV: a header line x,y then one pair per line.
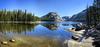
x,y
52,16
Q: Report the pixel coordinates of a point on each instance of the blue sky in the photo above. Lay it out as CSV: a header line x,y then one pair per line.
x,y
42,7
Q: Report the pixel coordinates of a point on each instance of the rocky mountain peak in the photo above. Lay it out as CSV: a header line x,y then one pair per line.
x,y
52,16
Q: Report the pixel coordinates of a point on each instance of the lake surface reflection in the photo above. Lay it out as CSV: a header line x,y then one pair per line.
x,y
47,30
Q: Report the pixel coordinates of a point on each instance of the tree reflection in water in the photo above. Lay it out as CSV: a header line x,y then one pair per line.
x,y
16,28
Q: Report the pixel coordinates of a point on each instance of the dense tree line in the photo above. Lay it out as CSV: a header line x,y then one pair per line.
x,y
17,15
93,13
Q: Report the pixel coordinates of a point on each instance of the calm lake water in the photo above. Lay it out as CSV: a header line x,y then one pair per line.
x,y
56,31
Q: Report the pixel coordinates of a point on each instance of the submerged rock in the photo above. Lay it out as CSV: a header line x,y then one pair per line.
x,y
4,42
12,40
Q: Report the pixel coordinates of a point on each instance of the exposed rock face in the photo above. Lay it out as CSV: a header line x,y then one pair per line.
x,y
79,17
52,16
65,18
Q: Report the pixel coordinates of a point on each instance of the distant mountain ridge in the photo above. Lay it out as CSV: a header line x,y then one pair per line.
x,y
79,17
66,18
82,15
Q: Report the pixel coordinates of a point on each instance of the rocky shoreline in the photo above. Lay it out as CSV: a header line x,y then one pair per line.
x,y
90,32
